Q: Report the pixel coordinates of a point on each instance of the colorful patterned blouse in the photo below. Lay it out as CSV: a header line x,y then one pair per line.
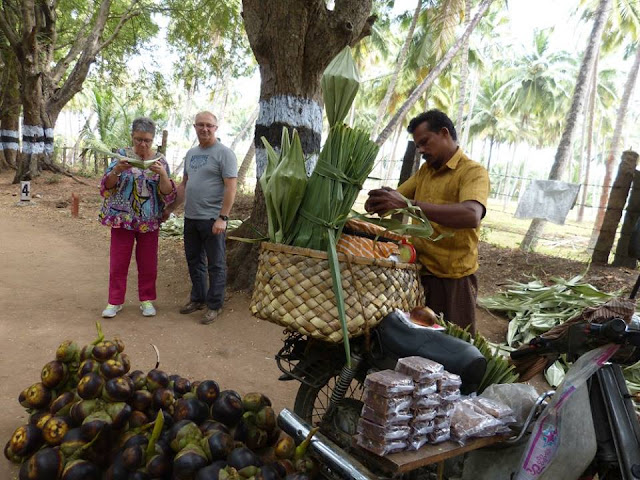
x,y
135,202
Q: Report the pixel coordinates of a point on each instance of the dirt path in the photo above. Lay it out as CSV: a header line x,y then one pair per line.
x,y
53,280
53,286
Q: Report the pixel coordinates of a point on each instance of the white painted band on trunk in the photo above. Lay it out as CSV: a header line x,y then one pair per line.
x,y
33,148
9,146
290,110
261,162
10,133
48,132
32,131
48,148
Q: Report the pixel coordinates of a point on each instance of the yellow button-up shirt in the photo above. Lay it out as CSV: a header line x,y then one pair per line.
x,y
459,180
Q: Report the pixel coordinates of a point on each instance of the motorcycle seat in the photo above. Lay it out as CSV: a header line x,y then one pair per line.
x,y
398,339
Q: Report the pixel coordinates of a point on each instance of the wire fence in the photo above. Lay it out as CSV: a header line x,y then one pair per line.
x,y
500,226
577,235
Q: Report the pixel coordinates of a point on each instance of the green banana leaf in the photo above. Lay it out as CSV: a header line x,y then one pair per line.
x,y
287,185
340,83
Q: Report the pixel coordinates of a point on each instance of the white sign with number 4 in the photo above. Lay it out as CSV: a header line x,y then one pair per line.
x,y
25,191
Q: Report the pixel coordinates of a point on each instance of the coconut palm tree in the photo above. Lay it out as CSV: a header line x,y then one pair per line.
x,y
538,80
442,63
397,68
623,25
566,142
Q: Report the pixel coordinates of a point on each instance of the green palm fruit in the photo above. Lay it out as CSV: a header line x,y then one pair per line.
x,y
68,351
254,401
266,418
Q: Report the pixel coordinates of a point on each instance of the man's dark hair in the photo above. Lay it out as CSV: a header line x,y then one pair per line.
x,y
436,120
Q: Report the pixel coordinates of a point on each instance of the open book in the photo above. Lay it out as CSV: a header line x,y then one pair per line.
x,y
143,164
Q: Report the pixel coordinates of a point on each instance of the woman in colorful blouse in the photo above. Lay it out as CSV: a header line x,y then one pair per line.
x,y
134,199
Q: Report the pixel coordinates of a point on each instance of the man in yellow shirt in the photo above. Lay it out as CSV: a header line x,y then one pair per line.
x,y
452,191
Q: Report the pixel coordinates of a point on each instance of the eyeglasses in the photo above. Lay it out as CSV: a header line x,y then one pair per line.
x,y
205,125
146,141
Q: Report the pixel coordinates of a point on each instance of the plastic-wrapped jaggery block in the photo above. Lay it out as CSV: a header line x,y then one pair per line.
x,y
389,383
449,381
381,448
493,407
442,422
416,442
439,435
431,400
424,414
449,396
386,418
426,388
445,409
422,428
383,433
419,368
383,404
468,421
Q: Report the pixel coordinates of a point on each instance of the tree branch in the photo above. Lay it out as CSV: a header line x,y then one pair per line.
x,y
12,36
76,48
49,15
123,20
366,30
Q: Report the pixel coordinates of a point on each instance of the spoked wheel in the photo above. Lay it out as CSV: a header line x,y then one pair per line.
x,y
311,404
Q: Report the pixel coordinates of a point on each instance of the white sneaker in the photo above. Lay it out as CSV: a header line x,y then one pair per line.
x,y
111,310
148,310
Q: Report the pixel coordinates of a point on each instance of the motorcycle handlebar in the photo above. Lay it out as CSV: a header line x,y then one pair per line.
x,y
612,331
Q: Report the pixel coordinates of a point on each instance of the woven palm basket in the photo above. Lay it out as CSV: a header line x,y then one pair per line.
x,y
294,289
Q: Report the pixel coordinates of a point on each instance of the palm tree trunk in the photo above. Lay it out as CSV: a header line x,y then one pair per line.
x,y
601,253
382,108
505,186
491,142
472,105
464,67
392,161
246,128
591,120
566,142
246,163
433,74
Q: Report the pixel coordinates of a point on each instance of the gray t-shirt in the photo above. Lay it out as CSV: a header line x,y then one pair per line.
x,y
207,168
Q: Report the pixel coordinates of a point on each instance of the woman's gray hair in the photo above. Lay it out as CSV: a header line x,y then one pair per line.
x,y
143,124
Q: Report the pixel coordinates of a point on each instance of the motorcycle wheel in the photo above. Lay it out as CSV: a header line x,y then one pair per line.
x,y
311,403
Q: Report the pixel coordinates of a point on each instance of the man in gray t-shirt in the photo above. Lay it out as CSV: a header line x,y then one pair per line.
x,y
208,189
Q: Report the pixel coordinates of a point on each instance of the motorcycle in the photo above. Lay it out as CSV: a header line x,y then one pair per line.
x,y
330,397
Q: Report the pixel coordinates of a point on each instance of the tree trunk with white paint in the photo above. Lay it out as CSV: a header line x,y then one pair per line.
x,y
566,141
9,112
293,43
47,83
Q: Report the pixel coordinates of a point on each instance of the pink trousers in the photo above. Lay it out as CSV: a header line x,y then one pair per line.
x,y
122,241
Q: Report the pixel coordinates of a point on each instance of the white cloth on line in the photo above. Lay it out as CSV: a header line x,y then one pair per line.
x,y
548,200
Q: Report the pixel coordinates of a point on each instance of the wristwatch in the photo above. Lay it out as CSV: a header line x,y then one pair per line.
x,y
224,217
